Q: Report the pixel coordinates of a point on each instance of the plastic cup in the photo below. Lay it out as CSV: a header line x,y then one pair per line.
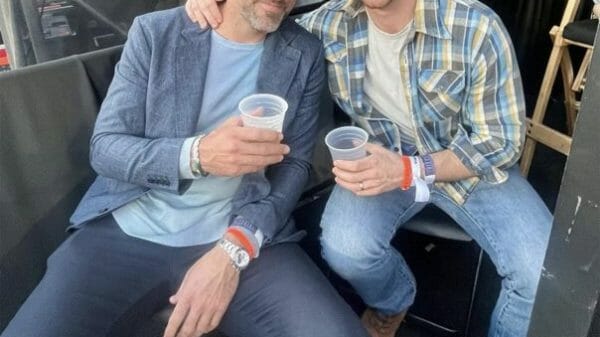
x,y
264,111
347,143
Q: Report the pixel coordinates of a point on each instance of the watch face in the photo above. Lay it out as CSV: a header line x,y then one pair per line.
x,y
242,258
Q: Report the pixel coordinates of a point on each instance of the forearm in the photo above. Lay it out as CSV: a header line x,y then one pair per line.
x,y
449,168
268,204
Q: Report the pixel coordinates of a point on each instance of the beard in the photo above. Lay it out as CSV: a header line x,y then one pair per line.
x,y
268,22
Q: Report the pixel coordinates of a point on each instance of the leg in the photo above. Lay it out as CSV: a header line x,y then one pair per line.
x,y
283,293
92,281
512,224
356,243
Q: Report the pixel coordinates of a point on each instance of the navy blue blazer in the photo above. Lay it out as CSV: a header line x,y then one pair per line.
x,y
153,105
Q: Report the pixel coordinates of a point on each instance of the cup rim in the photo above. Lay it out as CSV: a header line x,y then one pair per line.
x,y
277,98
350,127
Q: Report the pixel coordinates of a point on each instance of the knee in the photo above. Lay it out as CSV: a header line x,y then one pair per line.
x,y
524,279
351,250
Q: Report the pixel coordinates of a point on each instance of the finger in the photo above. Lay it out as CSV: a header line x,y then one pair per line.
x,y
369,192
354,165
213,14
259,135
355,177
203,323
352,187
257,161
189,9
375,148
232,121
210,18
258,111
188,328
261,149
200,19
217,317
175,320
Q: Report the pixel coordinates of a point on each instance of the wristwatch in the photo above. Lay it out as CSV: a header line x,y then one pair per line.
x,y
239,256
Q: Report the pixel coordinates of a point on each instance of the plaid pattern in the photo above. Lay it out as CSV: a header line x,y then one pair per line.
x,y
463,82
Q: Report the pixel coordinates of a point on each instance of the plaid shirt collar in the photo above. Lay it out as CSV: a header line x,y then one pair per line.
x,y
426,20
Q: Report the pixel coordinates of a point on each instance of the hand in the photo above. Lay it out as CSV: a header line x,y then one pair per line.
x,y
204,11
377,173
204,295
234,150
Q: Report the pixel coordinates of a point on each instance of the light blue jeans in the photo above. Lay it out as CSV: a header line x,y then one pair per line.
x,y
509,221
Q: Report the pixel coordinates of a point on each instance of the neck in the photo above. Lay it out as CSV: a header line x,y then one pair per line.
x,y
234,27
394,16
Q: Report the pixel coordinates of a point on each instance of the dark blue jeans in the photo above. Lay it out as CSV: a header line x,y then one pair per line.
x,y
102,282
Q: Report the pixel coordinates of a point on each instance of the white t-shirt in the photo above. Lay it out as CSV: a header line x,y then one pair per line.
x,y
383,84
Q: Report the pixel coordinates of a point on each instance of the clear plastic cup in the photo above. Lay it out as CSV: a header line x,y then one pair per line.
x,y
264,111
347,143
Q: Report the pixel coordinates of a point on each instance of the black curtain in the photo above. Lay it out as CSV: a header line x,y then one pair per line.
x,y
529,23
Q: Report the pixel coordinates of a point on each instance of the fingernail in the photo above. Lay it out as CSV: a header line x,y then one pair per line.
x,y
281,136
286,150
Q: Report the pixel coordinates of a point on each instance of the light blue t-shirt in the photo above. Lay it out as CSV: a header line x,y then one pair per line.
x,y
202,213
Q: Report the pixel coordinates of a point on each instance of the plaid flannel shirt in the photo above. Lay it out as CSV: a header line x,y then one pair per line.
x,y
463,83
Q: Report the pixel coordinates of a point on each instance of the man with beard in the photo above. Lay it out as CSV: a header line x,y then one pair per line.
x,y
186,197
437,86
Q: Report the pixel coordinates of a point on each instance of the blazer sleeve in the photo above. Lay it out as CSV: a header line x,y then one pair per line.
x,y
268,204
119,146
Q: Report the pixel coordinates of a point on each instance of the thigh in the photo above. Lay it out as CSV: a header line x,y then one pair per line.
x,y
509,221
283,293
350,218
97,283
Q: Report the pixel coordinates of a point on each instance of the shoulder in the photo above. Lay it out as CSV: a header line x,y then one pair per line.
x,y
474,10
298,37
325,17
161,24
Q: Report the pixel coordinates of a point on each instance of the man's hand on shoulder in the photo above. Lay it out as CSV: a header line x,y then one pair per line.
x,y
204,295
234,150
204,12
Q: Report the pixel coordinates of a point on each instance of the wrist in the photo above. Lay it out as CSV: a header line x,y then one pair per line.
x,y
195,157
238,257
427,168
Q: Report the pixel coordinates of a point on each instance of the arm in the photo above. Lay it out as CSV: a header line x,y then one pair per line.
x,y
494,111
119,147
268,204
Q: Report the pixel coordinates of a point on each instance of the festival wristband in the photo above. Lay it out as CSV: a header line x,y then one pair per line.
x,y
407,174
428,168
243,239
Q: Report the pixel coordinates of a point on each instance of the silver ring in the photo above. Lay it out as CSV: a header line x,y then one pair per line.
x,y
361,186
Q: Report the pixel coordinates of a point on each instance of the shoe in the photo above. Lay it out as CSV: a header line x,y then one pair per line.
x,y
379,325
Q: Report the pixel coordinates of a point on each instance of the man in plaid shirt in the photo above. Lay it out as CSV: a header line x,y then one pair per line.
x,y
437,86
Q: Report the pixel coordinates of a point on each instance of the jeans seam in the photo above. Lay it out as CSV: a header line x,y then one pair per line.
x,y
491,240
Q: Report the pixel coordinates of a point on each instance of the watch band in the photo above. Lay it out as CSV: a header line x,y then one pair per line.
x,y
239,257
195,158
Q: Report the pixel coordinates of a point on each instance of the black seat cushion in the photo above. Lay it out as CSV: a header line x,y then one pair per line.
x,y
582,31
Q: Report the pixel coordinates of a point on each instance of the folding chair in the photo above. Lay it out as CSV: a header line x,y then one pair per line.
x,y
570,32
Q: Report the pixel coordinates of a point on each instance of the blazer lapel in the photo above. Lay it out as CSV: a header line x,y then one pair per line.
x,y
191,57
278,67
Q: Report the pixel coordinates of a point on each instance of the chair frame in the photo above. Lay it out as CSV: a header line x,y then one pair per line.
x,y
559,58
